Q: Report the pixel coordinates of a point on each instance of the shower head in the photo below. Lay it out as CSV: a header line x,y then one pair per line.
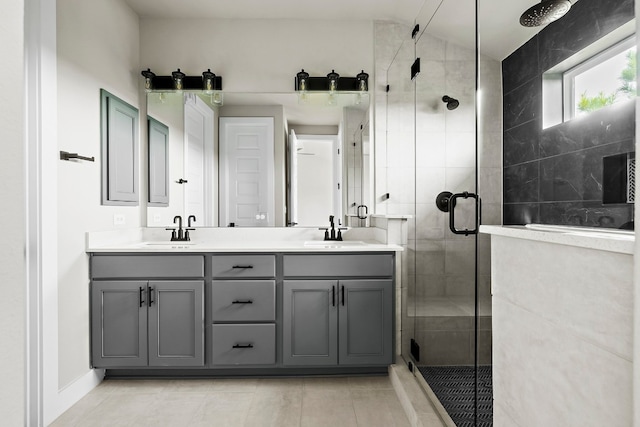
x,y
452,103
544,13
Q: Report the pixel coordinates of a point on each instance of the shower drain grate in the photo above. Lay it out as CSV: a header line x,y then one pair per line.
x,y
631,180
454,387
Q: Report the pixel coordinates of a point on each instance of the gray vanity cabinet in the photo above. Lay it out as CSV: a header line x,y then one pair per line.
x,y
154,323
344,320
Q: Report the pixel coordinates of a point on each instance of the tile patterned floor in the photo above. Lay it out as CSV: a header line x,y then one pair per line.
x,y
283,402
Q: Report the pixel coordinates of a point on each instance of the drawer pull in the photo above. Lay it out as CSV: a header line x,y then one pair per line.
x,y
242,266
242,302
243,346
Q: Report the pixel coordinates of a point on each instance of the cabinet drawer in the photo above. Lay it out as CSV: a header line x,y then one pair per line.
x,y
244,344
243,301
146,266
239,266
338,265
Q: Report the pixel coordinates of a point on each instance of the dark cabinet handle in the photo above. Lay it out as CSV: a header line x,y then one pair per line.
x,y
150,291
242,266
140,296
242,302
343,295
333,296
243,346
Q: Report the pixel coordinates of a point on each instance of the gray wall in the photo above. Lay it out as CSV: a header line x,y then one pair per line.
x,y
554,176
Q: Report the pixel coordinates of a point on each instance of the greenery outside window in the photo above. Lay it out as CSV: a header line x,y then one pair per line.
x,y
602,80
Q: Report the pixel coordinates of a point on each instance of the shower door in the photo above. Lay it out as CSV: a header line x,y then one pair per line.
x,y
451,341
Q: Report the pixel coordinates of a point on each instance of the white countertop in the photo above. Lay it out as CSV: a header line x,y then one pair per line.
x,y
235,240
246,246
592,238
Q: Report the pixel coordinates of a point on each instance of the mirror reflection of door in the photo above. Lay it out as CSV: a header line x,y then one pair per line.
x,y
198,160
246,171
293,179
314,183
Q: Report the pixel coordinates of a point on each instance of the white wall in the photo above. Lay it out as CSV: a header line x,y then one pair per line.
x,y
256,55
98,47
12,216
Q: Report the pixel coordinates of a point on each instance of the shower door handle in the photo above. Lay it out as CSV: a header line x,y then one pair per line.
x,y
452,208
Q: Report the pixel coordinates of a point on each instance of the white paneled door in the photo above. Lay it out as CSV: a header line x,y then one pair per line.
x,y
198,162
246,171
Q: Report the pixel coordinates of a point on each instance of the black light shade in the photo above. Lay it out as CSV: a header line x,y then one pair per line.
x,y
333,80
208,80
148,79
363,81
178,78
303,80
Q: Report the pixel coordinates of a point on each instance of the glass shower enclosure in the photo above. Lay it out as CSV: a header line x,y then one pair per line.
x,y
442,138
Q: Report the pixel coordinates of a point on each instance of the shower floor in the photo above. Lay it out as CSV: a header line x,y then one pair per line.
x,y
454,387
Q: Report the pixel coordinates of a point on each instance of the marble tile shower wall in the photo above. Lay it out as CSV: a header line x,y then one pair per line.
x,y
554,176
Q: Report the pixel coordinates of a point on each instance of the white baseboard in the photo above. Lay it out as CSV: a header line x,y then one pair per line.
x,y
72,393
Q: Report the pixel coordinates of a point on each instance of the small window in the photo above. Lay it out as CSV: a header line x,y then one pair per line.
x,y
602,80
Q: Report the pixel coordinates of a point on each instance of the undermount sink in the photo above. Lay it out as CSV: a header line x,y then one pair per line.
x,y
333,243
168,245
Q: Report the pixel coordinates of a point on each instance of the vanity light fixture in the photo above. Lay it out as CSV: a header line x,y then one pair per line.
x,y
208,81
333,82
327,89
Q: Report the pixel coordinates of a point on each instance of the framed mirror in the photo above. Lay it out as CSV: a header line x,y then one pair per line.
x,y
221,172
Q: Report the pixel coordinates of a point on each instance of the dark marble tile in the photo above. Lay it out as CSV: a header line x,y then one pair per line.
x,y
523,104
587,214
577,176
521,183
586,22
610,124
520,66
521,143
521,213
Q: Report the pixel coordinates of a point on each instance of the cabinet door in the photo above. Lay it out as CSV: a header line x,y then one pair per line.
x,y
310,316
366,322
176,323
119,124
119,323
